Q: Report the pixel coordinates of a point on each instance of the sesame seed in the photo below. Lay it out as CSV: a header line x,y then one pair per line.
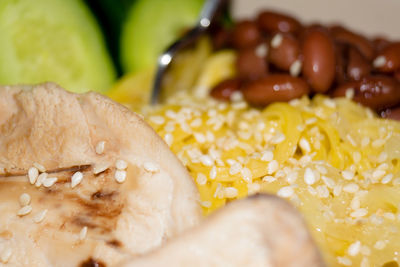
x,y
83,233
295,68
231,192
337,190
41,178
356,157
378,174
206,160
285,192
213,173
121,164
246,174
359,213
253,188
157,120
278,138
6,255
348,175
276,40
24,210
239,105
261,50
120,176
310,121
273,166
24,199
387,178
76,179
354,248
206,204
196,122
99,168
201,179
382,157
39,217
100,147
40,167
48,182
235,168
322,191
351,140
379,61
33,174
151,167
169,138
330,103
344,261
200,137
328,181
305,145
351,188
378,143
267,156
355,203
389,216
365,250
349,94
380,244
309,176
269,179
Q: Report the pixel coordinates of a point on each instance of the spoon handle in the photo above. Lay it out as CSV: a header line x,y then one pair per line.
x,y
207,14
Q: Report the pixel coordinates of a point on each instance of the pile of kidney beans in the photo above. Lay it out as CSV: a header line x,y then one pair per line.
x,y
280,59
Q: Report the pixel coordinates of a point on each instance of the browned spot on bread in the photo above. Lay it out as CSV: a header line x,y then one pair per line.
x,y
102,195
114,243
92,263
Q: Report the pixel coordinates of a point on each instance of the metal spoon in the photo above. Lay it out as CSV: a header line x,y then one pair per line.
x,y
206,16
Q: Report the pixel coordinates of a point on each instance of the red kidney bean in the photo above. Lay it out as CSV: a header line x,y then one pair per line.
x,y
272,22
380,43
220,38
245,34
225,89
393,114
377,92
341,63
358,66
287,52
391,55
275,87
251,64
343,35
318,60
397,75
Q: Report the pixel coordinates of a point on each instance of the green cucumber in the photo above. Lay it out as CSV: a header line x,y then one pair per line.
x,y
151,26
53,40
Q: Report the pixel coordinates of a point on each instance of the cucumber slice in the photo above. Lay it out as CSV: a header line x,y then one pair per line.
x,y
52,40
151,26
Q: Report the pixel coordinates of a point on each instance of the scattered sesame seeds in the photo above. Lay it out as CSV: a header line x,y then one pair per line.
x,y
365,141
356,156
295,68
330,103
278,138
378,143
83,233
76,179
235,168
276,40
100,167
305,145
121,164
380,244
39,217
267,156
348,175
379,61
24,210
6,255
201,179
387,178
120,176
151,167
344,261
159,120
310,121
100,147
309,176
246,175
261,50
206,204
24,199
382,157
351,188
359,213
33,174
41,178
231,192
169,139
206,160
273,166
354,248
48,182
378,174
40,167
349,94
285,192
